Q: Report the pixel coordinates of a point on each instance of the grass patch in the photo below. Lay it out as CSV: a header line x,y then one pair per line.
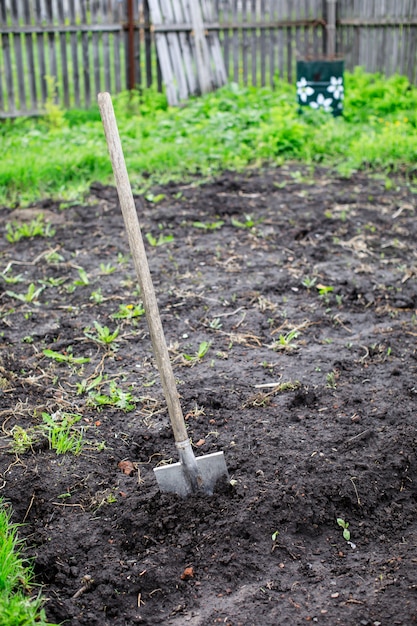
x,y
232,128
18,606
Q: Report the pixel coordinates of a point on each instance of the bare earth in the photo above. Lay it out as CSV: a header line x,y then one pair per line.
x,y
315,425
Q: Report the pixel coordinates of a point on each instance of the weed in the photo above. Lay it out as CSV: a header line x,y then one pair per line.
x,y
308,282
128,312
247,224
208,225
16,576
83,279
345,525
331,379
116,397
61,432
104,336
29,297
107,268
150,197
286,342
200,354
96,296
35,228
162,239
216,323
54,257
9,279
67,357
23,439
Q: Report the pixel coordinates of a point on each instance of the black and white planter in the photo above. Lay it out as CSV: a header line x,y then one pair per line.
x,y
320,85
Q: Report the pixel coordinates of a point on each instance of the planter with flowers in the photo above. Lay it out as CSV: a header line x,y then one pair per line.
x,y
320,85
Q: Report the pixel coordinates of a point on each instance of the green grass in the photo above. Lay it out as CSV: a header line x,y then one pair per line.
x,y
233,128
18,606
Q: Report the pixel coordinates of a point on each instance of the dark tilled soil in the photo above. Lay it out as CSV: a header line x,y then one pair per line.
x,y
315,424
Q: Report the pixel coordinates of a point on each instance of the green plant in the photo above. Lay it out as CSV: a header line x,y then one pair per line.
x,y
286,342
209,225
331,379
216,323
103,336
128,312
17,607
35,228
308,282
247,224
162,239
116,397
345,526
107,268
68,357
200,354
9,279
150,197
23,439
29,297
83,279
96,296
62,434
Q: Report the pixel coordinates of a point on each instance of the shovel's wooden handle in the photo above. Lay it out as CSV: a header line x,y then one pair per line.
x,y
140,261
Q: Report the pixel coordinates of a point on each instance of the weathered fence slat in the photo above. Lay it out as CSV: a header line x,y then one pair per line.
x,y
85,45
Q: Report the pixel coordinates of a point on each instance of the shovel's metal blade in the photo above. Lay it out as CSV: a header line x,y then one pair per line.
x,y
211,469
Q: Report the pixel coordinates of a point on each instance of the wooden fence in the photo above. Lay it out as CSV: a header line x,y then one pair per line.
x,y
69,50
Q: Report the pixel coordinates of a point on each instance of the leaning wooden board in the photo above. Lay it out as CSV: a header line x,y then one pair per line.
x,y
190,58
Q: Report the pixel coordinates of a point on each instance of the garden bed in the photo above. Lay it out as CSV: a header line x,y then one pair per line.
x,y
288,299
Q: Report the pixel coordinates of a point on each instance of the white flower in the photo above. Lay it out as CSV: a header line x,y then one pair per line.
x,y
322,102
304,90
336,87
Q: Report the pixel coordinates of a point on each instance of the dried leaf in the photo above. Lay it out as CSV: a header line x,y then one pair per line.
x,y
187,573
126,467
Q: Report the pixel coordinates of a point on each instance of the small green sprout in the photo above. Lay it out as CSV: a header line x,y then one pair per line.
x,y
162,239
69,358
201,353
128,312
35,228
247,224
208,225
29,297
286,342
62,434
104,336
345,525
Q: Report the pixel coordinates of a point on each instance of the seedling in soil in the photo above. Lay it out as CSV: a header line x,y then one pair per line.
x,y
247,224
107,268
29,297
83,279
201,353
345,525
35,228
308,282
96,296
331,379
286,342
162,239
69,358
61,432
128,312
23,439
117,397
9,279
324,291
150,197
104,336
208,225
216,323
53,257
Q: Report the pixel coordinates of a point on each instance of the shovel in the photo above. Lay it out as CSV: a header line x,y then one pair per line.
x,y
190,474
